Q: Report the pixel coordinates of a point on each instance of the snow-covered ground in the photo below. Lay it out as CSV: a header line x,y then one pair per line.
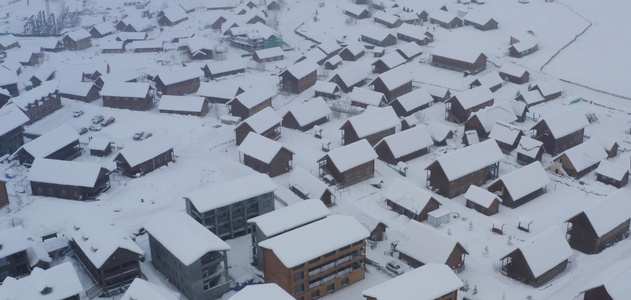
x,y
206,152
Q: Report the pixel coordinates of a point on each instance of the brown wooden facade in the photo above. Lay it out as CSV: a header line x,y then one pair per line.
x,y
489,211
475,67
280,164
455,260
347,55
122,267
608,180
489,25
449,296
4,195
289,83
597,293
71,192
92,95
450,189
289,121
554,146
458,114
182,88
342,84
209,74
569,168
385,154
349,135
131,103
379,86
503,193
520,268
421,216
455,22
67,152
514,53
525,77
583,236
239,110
145,167
272,133
389,40
42,107
73,45
351,176
15,265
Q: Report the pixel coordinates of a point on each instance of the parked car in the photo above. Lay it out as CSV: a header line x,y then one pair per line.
x,y
83,130
138,135
394,267
109,121
97,119
95,128
77,113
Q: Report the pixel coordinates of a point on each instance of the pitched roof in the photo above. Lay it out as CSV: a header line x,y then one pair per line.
x,y
354,8
355,48
378,34
395,77
615,279
44,71
585,155
548,87
229,192
11,117
367,96
306,183
175,13
408,195
500,111
310,111
478,17
301,69
79,34
29,98
353,74
270,52
544,251
417,235
104,28
325,87
13,240
218,90
489,80
480,196
410,49
407,141
262,120
466,160
329,47
607,214
352,155
415,32
63,172
260,147
386,17
8,39
62,279
145,150
145,290
529,146
182,103
464,53
51,141
373,121
254,96
125,89
414,99
532,97
443,16
611,170
504,132
512,70
565,122
76,88
293,216
229,65
262,291
525,180
473,97
99,144
430,281
179,74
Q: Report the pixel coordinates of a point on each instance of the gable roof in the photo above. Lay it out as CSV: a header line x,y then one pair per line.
x,y
262,291
367,96
353,74
315,55
8,39
310,111
346,157
182,103
104,28
260,147
51,141
373,121
513,70
408,141
415,32
269,52
429,282
489,80
292,216
76,88
532,97
615,279
44,71
13,240
218,90
125,89
306,183
179,74
62,279
29,98
145,150
525,180
464,53
355,48
585,155
417,235
378,34
466,160
410,50
329,47
548,88
63,172
11,117
529,146
354,8
437,131
325,87
500,111
443,16
254,96
229,65
302,69
79,34
395,77
478,18
504,132
262,120
174,13
414,99
408,195
145,290
611,170
565,122
544,251
480,196
607,214
473,97
232,191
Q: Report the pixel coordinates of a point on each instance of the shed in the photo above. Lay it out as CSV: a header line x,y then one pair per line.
x,y
612,174
522,185
482,200
364,97
100,147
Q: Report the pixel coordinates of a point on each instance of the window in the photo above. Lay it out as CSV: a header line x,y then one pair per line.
x,y
298,267
299,276
345,281
299,289
330,288
359,174
315,295
349,177
368,170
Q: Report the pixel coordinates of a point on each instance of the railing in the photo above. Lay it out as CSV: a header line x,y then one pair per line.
x,y
121,272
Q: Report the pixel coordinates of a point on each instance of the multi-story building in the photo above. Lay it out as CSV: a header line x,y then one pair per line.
x,y
11,129
317,259
224,208
200,269
40,101
18,255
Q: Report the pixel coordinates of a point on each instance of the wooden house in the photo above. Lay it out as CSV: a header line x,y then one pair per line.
x,y
581,159
61,143
299,77
612,283
60,281
519,108
482,201
306,115
128,37
333,62
327,90
451,174
315,54
330,47
172,16
109,255
445,19
215,92
268,55
351,77
183,105
19,256
393,84
349,164
8,41
199,48
430,282
135,25
539,259
127,95
250,102
68,179
306,186
410,50
372,125
265,155
459,107
561,131
379,37
266,123
27,57
491,80
445,249
601,224
40,101
51,44
12,122
388,62
529,150
612,174
81,91
514,74
101,30
44,72
439,133
272,4
77,40
355,11
178,81
145,156
112,47
100,147
506,135
404,146
352,52
216,69
413,18
145,46
609,144
483,121
459,59
438,93
412,102
363,97
252,37
531,98
549,90
409,200
521,186
409,122
522,46
480,21
386,19
4,97
411,33
470,137
299,268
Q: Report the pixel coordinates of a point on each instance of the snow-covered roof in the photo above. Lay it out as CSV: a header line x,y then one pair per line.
x,y
352,155
366,96
253,31
374,120
145,150
254,96
99,144
607,142
477,17
61,279
532,97
174,13
429,282
104,28
218,90
565,122
11,117
229,192
410,49
270,52
316,239
144,290
120,75
544,251
609,213
472,137
182,103
8,39
30,97
615,279
480,196
466,160
525,180
315,55
407,195
64,172
489,80
98,239
7,76
303,68
198,44
353,74
442,16
325,87
334,60
292,216
262,291
184,237
229,65
414,99
512,70
417,237
263,120
51,141
138,23
415,32
529,146
260,147
386,17
611,170
437,131
306,183
519,107
310,111
504,132
524,45
378,34
79,34
500,111
146,44
180,74
355,48
131,36
464,53
548,88
473,97
12,240
407,141
44,71
329,47
125,89
392,59
585,155
354,8
75,88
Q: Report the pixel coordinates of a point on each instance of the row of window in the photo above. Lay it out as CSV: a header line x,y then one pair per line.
x,y
316,294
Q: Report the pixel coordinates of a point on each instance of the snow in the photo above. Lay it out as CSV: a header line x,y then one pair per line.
x,y
378,34
253,31
417,237
585,155
270,52
442,16
524,45
415,99
36,253
125,89
293,216
513,70
99,144
411,49
354,8
145,150
334,60
229,192
428,282
36,94
6,40
353,74
104,28
504,132
473,97
412,31
254,96
477,17
325,87
529,146
11,117
407,141
315,55
260,147
388,18
396,77
352,155
63,172
609,213
355,48
221,90
310,111
437,131
182,103
480,196
144,290
148,44
303,68
79,34
44,71
500,111
184,237
374,120
532,97
75,88
98,239
525,180
306,183
329,47
466,160
62,279
472,137
615,279
489,80
175,13
230,65
407,195
262,291
12,241
565,122
122,75
548,88
316,239
262,120
611,170
179,74
546,250
51,141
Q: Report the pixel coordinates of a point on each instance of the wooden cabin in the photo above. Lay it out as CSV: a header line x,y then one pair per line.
x,y
561,131
183,105
480,21
581,159
404,146
612,174
178,81
459,59
216,69
349,164
306,186
459,107
529,150
393,84
61,143
100,147
101,30
372,125
306,115
351,77
482,201
379,37
445,249
491,80
352,52
412,33
266,123
250,102
81,91
611,283
483,121
549,90
172,16
514,74
268,55
445,19
431,281
520,48
521,186
386,19
412,102
327,90
299,77
127,95
409,200
215,92
52,178
40,101
506,135
145,156
265,155
355,11
77,40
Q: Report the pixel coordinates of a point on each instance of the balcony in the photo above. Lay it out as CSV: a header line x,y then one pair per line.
x,y
121,272
342,273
